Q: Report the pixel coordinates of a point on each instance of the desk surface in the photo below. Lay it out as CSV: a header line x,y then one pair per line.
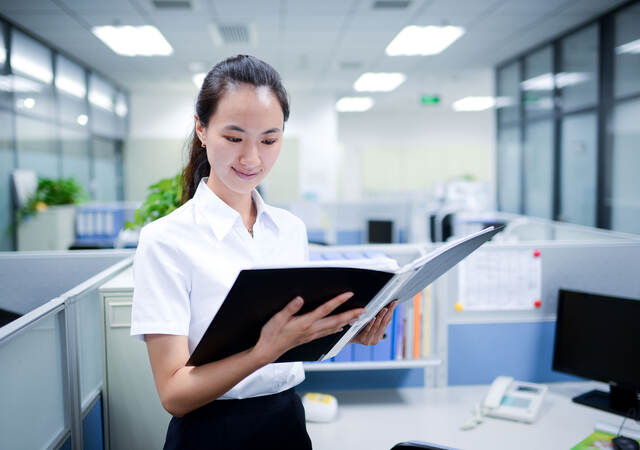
x,y
379,419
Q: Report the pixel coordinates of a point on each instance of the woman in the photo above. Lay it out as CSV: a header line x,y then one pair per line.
x,y
187,261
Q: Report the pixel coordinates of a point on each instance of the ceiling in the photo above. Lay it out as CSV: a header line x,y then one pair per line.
x,y
316,45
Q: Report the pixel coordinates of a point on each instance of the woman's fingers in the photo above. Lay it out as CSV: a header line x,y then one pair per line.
x,y
328,306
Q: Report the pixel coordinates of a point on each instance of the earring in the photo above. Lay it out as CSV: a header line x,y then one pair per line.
x,y
204,147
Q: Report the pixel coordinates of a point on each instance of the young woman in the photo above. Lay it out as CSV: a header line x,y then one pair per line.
x,y
187,261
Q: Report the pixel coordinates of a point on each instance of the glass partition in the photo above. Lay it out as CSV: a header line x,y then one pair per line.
x,y
7,164
508,102
627,51
101,100
624,197
36,143
34,385
578,166
75,155
90,345
578,77
538,169
106,161
71,87
32,75
538,83
509,169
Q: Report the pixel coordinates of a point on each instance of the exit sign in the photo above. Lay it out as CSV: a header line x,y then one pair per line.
x,y
430,99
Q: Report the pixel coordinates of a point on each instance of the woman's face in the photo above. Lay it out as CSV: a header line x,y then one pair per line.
x,y
243,138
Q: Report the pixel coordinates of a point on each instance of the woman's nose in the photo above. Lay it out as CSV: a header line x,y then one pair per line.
x,y
250,156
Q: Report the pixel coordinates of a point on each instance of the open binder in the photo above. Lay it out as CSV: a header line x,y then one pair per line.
x,y
258,294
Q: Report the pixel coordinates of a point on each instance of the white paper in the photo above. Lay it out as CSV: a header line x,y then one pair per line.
x,y
500,280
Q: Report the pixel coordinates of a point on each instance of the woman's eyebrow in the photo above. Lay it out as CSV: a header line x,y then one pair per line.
x,y
241,130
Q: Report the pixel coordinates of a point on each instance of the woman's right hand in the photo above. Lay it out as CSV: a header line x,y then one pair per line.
x,y
285,331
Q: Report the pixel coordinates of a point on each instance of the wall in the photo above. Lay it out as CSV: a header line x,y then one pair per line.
x,y
397,146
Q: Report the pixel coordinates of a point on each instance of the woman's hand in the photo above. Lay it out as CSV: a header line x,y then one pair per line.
x,y
285,331
374,330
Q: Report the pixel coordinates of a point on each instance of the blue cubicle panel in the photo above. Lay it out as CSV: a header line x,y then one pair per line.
x,y
92,436
349,237
479,352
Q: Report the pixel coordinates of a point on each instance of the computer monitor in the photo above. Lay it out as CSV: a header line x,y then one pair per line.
x,y
380,231
597,338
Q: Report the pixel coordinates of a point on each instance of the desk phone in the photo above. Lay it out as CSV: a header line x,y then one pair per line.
x,y
514,400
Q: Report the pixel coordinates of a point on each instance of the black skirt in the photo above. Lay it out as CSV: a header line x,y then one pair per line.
x,y
268,422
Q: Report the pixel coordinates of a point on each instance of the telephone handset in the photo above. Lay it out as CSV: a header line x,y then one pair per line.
x,y
515,400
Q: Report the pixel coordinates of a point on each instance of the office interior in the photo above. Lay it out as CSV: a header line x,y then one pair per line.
x,y
510,113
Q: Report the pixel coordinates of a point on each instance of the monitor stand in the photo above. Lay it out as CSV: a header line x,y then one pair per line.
x,y
617,401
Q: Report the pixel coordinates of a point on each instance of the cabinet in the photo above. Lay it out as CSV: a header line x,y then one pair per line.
x,y
134,416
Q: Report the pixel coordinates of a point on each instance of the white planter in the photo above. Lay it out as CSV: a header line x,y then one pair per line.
x,y
53,229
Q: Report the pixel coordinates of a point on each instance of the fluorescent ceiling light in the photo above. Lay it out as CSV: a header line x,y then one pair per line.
x,y
134,41
15,83
354,104
378,82
629,47
101,100
474,103
198,79
429,40
70,87
545,82
29,67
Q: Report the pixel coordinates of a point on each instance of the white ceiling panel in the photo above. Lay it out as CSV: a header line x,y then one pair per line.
x,y
308,41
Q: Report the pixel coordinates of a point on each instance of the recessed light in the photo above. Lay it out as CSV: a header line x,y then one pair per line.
x,y
378,82
354,104
128,40
429,40
474,103
82,120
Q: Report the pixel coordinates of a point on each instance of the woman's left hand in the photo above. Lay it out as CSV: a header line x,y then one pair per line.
x,y
374,330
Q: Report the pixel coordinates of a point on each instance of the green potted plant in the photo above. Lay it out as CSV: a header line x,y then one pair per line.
x,y
164,197
47,219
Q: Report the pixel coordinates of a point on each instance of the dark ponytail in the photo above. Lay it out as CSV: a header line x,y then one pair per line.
x,y
222,76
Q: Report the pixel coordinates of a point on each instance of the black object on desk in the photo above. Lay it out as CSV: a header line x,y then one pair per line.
x,y
597,338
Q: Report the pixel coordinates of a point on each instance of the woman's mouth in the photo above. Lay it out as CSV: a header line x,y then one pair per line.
x,y
245,175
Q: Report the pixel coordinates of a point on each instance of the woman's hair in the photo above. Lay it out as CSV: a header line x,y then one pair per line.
x,y
221,78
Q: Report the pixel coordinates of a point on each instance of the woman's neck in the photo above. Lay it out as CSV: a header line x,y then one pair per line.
x,y
243,203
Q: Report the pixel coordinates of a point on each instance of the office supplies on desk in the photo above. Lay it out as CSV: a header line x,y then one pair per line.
x,y
237,325
514,400
319,407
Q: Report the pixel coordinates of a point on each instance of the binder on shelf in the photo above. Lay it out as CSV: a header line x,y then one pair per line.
x,y
382,350
345,355
237,325
362,352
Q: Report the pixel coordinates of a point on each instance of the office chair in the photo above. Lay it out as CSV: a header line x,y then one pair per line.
x,y
415,445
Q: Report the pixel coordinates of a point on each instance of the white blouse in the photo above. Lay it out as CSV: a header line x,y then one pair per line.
x,y
187,261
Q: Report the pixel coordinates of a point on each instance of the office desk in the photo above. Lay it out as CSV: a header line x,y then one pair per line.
x,y
379,419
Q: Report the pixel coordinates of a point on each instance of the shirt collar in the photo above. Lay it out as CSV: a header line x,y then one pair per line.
x,y
222,217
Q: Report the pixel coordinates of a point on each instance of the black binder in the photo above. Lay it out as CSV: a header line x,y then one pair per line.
x,y
258,294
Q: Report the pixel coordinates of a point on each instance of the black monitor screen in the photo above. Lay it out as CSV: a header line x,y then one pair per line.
x,y
598,337
380,231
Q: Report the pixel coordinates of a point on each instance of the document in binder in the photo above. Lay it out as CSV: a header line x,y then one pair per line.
x,y
258,294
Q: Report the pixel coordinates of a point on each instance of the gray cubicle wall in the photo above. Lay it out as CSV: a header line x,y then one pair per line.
x,y
52,357
484,344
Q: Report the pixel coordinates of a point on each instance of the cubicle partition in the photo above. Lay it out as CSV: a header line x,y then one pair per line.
x,y
52,354
502,334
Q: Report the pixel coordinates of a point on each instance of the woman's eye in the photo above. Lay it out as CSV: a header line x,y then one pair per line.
x,y
269,141
233,139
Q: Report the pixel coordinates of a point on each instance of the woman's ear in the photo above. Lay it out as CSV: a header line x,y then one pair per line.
x,y
200,130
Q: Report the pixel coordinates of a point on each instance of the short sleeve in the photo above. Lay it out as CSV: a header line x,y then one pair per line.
x,y
161,288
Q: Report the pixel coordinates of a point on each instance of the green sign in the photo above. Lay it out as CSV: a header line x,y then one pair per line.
x,y
430,99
